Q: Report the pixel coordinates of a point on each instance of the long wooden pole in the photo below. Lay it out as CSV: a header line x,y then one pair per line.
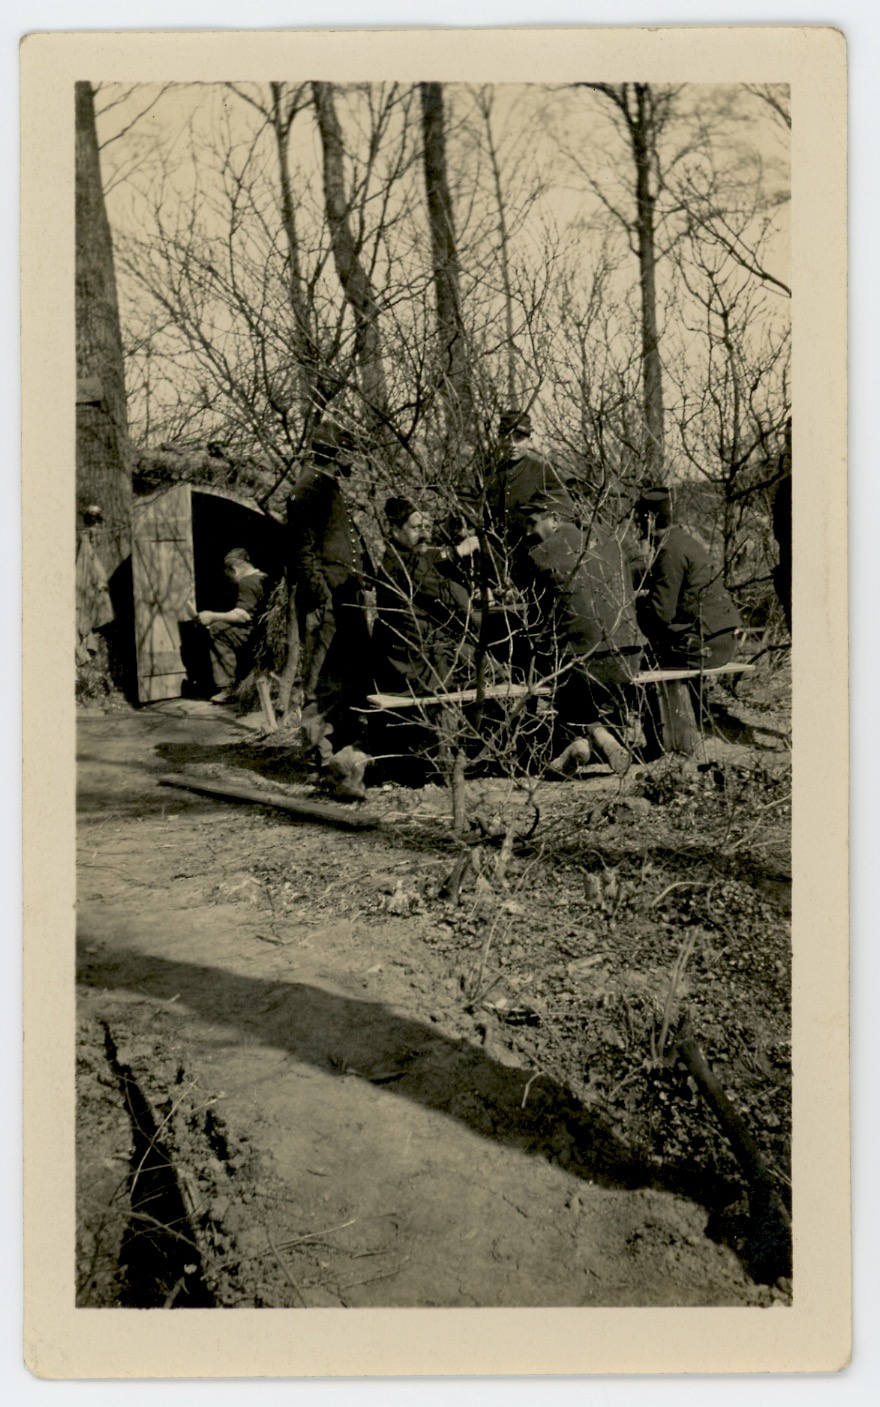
x,y
324,813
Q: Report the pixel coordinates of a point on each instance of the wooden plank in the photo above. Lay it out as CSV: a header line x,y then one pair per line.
x,y
677,720
521,691
163,572
165,662
392,702
322,812
156,687
661,676
263,689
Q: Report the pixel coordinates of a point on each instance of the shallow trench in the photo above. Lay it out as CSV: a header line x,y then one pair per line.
x,y
160,1255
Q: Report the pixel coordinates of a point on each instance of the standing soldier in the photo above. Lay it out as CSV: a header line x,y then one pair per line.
x,y
325,556
522,474
327,567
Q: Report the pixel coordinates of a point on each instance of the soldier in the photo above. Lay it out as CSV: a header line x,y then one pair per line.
x,y
328,564
326,557
584,627
230,631
684,609
422,612
521,475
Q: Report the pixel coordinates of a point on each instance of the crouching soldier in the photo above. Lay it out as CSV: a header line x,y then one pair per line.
x,y
230,631
684,609
584,629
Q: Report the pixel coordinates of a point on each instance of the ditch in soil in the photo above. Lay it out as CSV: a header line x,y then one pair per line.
x,y
434,1102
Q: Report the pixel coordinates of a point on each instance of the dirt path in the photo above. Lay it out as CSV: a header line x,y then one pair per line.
x,y
355,1135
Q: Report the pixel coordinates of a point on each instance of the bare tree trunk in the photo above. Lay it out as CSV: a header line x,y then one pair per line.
x,y
352,275
643,145
103,455
503,253
456,382
644,117
305,349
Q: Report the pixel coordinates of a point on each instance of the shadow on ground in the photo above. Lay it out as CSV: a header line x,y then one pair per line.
x,y
349,1037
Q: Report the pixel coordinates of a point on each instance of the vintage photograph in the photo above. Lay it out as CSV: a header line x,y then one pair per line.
x,y
433,694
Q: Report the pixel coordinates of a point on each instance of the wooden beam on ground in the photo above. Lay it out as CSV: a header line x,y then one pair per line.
x,y
324,813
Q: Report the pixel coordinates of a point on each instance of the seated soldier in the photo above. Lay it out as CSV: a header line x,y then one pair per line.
x,y
684,609
584,628
230,631
422,613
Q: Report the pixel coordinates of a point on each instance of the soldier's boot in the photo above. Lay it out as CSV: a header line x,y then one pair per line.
x,y
576,755
345,774
607,746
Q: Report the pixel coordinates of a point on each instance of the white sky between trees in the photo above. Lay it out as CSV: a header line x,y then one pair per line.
x,y
176,160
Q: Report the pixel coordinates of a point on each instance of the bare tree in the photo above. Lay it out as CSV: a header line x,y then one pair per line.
x,y
346,252
731,418
595,379
455,370
776,97
644,111
485,107
103,459
285,108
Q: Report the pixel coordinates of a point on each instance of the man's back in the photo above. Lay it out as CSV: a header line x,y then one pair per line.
x,y
584,592
324,545
685,588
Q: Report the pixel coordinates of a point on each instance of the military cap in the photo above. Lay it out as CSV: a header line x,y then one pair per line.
x,y
548,501
332,442
654,500
512,420
399,510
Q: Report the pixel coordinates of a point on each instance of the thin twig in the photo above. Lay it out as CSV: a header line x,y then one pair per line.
x,y
627,1080
284,1269
314,1235
680,884
164,1227
386,1275
529,1084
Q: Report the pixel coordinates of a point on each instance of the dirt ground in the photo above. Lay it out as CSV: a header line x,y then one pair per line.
x,y
308,1075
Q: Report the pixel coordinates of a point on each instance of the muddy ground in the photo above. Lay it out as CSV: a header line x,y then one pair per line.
x,y
323,1067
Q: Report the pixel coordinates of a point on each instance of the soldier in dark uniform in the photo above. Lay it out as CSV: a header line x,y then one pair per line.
x,y
684,608
326,557
584,626
782,529
328,564
423,614
521,475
